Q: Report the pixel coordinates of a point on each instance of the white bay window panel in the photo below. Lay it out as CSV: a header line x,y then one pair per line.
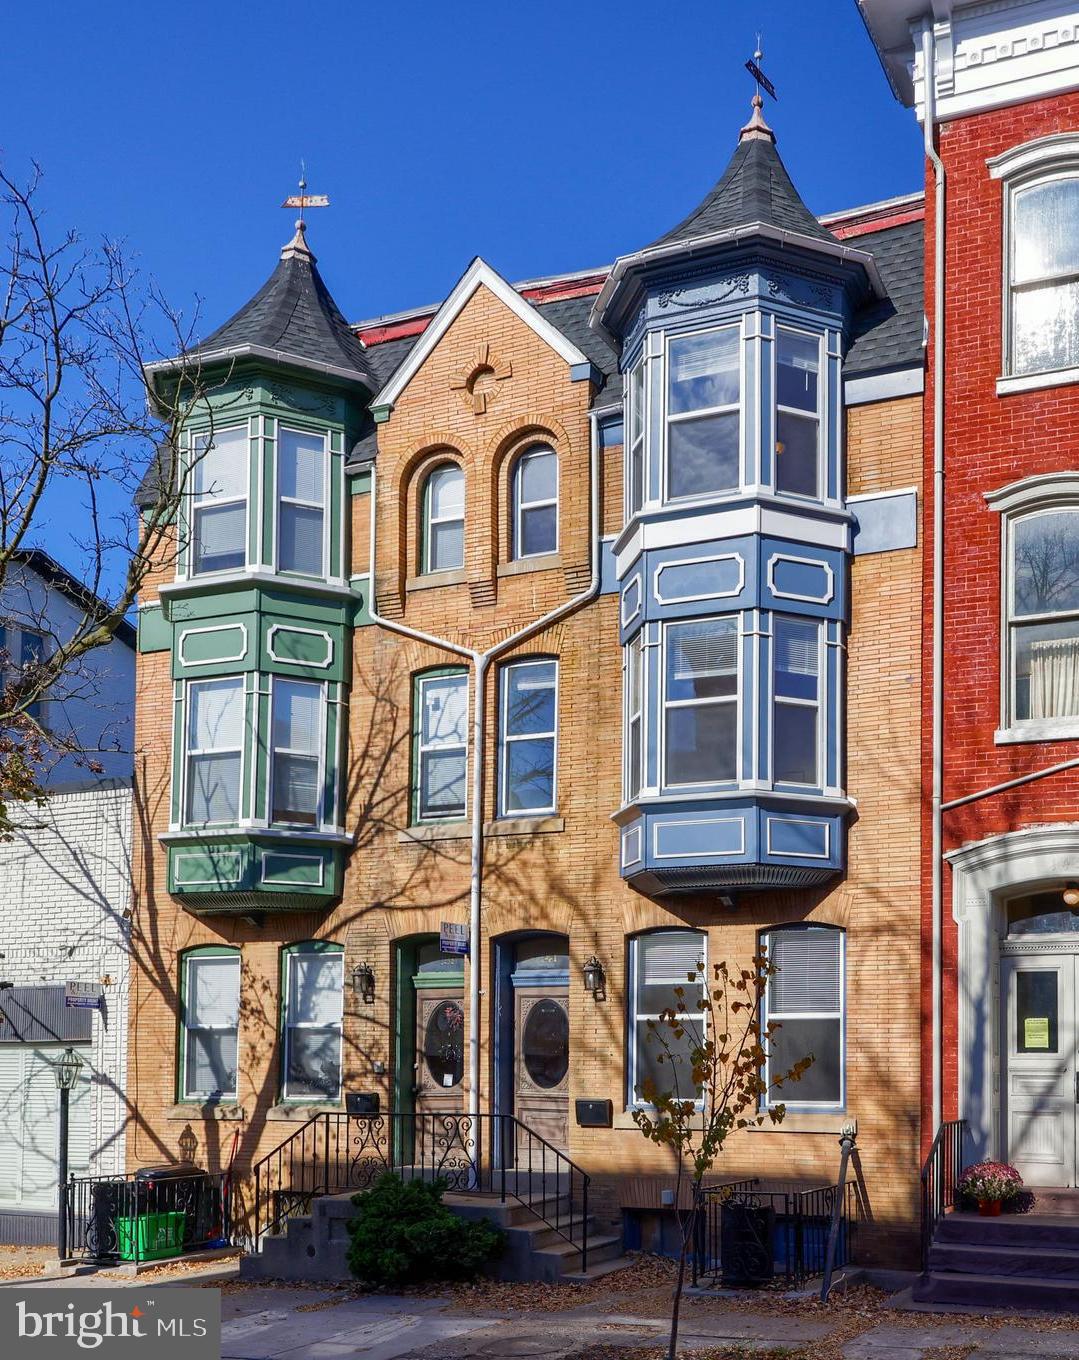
x,y
215,730
313,1024
296,775
211,1025
219,474
804,999
635,440
661,963
703,413
301,471
701,702
635,655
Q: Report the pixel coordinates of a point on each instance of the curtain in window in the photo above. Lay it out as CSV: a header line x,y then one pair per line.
x,y
1054,678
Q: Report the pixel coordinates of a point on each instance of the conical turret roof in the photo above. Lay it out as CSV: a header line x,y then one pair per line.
x,y
755,187
294,315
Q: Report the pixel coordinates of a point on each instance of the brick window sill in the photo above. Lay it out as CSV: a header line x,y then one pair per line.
x,y
300,1114
1048,730
434,831
193,1109
541,562
432,579
806,1121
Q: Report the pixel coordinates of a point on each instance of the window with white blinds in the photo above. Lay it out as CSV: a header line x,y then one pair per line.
x,y
704,380
796,708
444,519
700,702
29,1119
804,999
441,746
314,1005
296,775
660,962
301,502
219,470
210,990
214,756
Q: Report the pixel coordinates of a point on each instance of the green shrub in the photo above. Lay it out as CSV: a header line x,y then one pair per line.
x,y
404,1234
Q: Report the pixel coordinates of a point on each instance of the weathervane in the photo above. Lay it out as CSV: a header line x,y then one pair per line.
x,y
303,200
753,67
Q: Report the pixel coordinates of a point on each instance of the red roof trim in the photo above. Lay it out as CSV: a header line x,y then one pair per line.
x,y
864,226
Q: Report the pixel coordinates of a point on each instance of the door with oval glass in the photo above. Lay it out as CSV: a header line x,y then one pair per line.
x,y
440,1050
541,1068
1039,1080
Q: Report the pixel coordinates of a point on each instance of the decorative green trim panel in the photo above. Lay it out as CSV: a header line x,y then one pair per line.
x,y
221,643
243,872
359,483
154,630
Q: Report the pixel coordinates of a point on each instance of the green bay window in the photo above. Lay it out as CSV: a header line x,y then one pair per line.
x,y
703,413
218,530
301,502
214,751
700,727
296,768
441,746
313,1010
210,1017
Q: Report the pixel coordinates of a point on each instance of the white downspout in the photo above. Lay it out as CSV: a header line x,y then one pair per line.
x,y
937,868
480,663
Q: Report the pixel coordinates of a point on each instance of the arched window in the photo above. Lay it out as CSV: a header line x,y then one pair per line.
x,y
443,547
659,962
804,999
534,531
313,985
1042,609
1043,268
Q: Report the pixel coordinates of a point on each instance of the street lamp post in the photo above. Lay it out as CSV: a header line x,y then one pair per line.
x,y
66,1070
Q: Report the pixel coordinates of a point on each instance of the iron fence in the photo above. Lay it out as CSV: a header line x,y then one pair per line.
x,y
141,1217
940,1175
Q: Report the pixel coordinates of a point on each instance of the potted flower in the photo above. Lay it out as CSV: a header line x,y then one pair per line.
x,y
990,1183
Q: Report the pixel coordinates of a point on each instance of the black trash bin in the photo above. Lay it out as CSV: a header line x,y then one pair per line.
x,y
746,1237
183,1188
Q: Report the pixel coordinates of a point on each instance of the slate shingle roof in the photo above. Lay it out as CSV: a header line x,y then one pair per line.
x,y
755,187
294,314
888,331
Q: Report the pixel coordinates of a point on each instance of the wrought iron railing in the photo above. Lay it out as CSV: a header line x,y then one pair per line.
x,y
145,1216
491,1154
940,1176
748,1234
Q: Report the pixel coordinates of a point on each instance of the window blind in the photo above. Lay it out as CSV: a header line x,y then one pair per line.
x,y
221,469
808,977
301,462
216,715
445,711
213,993
704,650
702,355
797,647
297,716
447,493
670,955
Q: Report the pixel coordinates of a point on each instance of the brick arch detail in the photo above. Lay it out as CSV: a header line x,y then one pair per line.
x,y
500,458
401,504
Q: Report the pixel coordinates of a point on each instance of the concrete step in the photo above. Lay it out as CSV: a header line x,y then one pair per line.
x,y
1044,1262
1062,1203
983,1292
1013,1230
597,1270
560,1260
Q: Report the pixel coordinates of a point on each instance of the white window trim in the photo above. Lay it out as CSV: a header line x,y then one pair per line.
x,y
629,509
633,1100
287,1027
1019,172
818,417
783,1095
186,1029
505,739
666,704
1018,502
520,505
633,655
216,502
421,747
798,703
190,751
669,336
289,751
283,500
428,520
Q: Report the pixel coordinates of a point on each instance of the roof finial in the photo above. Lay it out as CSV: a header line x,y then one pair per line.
x,y
303,200
757,128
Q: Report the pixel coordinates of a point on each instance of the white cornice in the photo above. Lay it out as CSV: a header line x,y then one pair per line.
x,y
478,274
1048,488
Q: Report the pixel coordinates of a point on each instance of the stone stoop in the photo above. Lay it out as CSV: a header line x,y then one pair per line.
x,y
1027,1261
315,1246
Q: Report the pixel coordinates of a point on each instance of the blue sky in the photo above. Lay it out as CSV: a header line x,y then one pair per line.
x,y
544,136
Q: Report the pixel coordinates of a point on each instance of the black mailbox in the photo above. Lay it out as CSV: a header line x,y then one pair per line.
x,y
595,1114
362,1102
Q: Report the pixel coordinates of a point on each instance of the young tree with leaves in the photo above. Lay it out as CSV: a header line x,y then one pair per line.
x,y
712,1044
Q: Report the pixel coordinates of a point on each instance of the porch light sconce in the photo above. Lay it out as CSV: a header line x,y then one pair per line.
x,y
188,1144
363,983
1071,895
595,980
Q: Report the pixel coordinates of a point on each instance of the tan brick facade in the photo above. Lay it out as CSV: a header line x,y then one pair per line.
x,y
563,875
